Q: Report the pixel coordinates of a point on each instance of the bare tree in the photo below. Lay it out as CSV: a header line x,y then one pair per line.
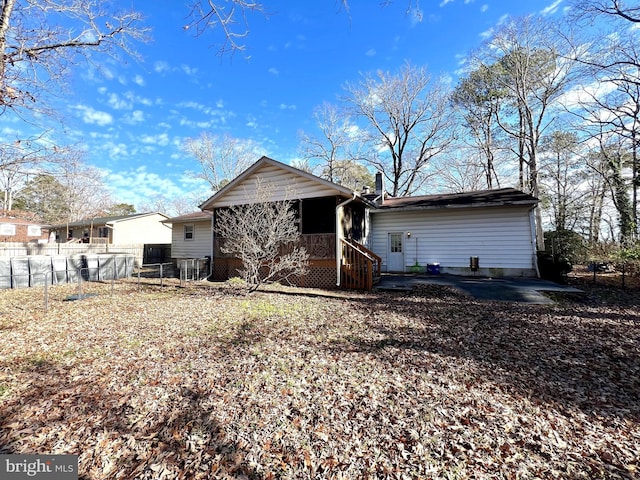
x,y
66,191
231,18
41,40
264,235
561,178
463,171
407,120
171,206
478,98
620,9
613,108
531,73
221,158
18,160
337,143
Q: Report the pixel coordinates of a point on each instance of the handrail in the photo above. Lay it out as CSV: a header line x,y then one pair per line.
x,y
366,250
358,266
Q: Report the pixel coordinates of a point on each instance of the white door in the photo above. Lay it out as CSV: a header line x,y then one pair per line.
x,y
395,256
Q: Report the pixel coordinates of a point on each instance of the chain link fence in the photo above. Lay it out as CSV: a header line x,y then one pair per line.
x,y
28,273
624,274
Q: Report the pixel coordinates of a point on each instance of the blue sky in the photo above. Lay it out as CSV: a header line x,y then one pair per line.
x,y
131,118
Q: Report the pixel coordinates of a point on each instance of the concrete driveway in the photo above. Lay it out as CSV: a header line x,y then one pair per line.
x,y
523,290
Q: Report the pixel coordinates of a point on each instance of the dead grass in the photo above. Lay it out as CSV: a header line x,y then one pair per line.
x,y
204,383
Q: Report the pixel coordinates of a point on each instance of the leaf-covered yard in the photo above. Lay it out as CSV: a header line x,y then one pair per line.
x,y
202,383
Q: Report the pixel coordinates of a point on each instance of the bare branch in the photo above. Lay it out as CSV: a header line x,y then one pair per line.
x,y
264,235
41,40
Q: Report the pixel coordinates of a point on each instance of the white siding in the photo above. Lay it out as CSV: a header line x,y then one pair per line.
x,y
199,247
144,229
288,186
500,237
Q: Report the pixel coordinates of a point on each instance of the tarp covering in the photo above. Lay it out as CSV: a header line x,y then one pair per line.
x,y
74,267
40,270
22,272
121,266
19,272
59,265
5,272
91,268
107,267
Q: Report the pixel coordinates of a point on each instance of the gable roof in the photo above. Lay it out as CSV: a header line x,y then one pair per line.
x,y
481,198
189,217
266,163
97,221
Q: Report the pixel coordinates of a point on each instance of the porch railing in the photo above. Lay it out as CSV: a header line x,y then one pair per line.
x,y
360,267
319,246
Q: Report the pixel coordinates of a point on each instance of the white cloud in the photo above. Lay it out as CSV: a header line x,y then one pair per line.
x,y
444,2
190,71
107,73
116,150
416,15
140,187
484,8
162,139
284,106
274,71
553,8
488,33
145,101
92,116
138,80
161,67
252,122
137,116
371,52
118,103
574,98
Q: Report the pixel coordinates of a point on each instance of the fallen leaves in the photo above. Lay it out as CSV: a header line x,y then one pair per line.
x,y
199,383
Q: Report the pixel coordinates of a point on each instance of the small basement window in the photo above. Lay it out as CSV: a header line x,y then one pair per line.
x,y
188,232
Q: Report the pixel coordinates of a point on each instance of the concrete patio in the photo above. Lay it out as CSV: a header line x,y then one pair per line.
x,y
523,290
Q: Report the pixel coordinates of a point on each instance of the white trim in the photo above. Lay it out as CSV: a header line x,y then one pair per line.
x,y
208,204
193,232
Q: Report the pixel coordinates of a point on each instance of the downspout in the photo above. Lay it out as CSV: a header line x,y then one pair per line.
x,y
213,241
339,236
532,225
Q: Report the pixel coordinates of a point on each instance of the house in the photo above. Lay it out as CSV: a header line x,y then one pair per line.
x,y
191,235
353,237
332,220
495,228
145,228
18,227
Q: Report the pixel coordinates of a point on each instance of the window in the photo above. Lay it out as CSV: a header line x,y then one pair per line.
x,y
396,242
34,231
188,232
7,229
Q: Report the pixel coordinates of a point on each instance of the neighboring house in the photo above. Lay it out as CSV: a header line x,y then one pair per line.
x,y
352,237
14,227
145,228
191,235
